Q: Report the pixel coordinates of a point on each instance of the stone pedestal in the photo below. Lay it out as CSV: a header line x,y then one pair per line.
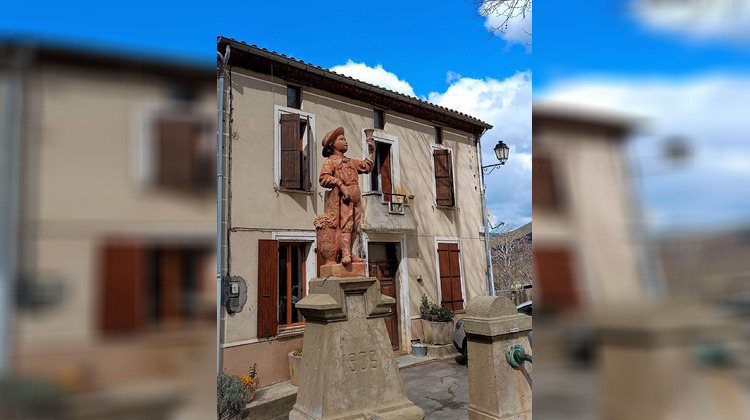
x,y
355,269
348,368
497,390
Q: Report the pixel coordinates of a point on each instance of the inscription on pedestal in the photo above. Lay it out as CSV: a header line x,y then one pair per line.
x,y
362,361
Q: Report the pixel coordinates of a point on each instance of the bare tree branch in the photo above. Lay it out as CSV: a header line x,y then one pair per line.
x,y
505,9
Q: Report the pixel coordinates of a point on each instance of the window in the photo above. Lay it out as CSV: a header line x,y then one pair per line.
x,y
146,285
378,119
544,189
293,97
291,282
443,166
294,149
185,153
380,176
438,135
449,275
282,282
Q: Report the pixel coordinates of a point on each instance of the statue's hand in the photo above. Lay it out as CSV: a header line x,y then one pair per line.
x,y
345,192
371,145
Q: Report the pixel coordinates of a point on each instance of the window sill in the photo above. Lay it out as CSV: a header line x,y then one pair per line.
x,y
289,190
291,332
446,207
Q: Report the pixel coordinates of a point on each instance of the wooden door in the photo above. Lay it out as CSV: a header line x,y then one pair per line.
x,y
384,269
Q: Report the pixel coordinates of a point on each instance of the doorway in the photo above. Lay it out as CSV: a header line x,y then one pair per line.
x,y
383,266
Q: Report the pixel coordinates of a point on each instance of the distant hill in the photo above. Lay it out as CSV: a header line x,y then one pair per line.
x,y
524,230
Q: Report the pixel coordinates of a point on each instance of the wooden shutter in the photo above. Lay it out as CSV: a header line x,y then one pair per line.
x,y
268,288
385,171
443,178
450,276
171,275
176,150
543,189
122,285
291,165
553,277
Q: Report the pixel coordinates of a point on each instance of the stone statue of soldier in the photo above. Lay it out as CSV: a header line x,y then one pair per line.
x,y
337,226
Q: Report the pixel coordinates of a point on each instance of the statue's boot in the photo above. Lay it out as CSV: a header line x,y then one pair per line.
x,y
346,249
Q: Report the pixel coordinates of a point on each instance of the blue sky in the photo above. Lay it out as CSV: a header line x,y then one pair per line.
x,y
685,70
435,50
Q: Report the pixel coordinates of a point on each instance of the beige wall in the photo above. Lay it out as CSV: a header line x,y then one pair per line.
x,y
257,209
592,177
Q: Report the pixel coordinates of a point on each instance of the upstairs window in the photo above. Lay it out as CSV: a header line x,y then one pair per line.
x,y
294,154
378,119
545,188
380,176
185,154
443,165
294,97
438,135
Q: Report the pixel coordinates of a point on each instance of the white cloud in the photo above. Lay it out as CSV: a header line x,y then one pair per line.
x,y
374,75
506,104
517,29
709,112
697,19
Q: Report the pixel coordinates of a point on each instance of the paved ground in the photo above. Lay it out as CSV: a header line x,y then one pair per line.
x,y
440,388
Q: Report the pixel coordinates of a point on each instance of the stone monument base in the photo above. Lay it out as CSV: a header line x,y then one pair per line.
x,y
348,368
355,269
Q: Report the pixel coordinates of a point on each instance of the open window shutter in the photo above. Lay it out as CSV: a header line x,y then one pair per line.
x,y
291,173
175,151
122,288
385,172
306,159
443,178
268,287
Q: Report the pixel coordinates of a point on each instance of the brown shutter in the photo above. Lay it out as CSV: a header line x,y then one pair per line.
x,y
443,178
171,274
176,149
544,190
290,152
385,172
458,303
268,287
450,276
553,278
122,288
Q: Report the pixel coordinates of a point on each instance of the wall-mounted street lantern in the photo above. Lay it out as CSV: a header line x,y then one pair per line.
x,y
501,153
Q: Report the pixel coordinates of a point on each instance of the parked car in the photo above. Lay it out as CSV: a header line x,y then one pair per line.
x,y
459,336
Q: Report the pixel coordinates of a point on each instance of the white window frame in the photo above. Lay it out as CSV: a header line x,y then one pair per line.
x,y
450,240
381,137
309,238
278,110
434,147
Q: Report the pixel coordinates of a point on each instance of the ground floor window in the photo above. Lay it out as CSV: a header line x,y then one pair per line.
x,y
291,282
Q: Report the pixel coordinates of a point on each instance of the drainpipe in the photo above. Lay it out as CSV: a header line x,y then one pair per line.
x,y
482,188
10,188
219,203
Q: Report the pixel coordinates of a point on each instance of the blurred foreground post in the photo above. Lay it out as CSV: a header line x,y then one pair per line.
x,y
497,389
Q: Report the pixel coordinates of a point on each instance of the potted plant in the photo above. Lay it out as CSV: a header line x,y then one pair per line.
x,y
295,365
437,322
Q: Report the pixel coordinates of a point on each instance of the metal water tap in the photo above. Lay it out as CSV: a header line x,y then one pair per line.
x,y
517,356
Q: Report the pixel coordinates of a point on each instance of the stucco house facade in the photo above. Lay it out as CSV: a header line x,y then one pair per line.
x,y
420,230
587,240
113,205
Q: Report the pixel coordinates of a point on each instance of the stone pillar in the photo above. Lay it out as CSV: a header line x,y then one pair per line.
x,y
348,367
497,390
666,362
